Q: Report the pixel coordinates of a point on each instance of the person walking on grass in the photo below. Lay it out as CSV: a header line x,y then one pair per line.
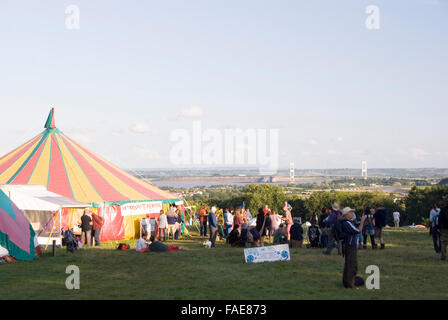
x,y
349,234
203,214
396,215
163,225
442,228
380,223
213,223
433,219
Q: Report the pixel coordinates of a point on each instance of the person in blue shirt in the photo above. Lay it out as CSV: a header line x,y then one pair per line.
x,y
248,214
213,224
329,222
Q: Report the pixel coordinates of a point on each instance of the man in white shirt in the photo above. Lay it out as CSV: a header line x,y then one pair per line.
x,y
142,244
396,218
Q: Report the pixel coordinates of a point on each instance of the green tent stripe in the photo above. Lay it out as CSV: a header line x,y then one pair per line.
x,y
50,117
65,168
63,142
40,155
6,205
70,141
15,251
28,159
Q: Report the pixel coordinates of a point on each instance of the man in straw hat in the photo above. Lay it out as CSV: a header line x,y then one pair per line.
x,y
349,234
329,222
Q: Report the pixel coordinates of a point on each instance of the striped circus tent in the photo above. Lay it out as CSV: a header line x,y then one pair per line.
x,y
65,167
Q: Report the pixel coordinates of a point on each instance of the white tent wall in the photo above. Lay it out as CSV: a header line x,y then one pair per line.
x,y
42,208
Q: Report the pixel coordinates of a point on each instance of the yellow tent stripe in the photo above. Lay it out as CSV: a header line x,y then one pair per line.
x,y
83,190
141,182
12,169
115,182
40,173
19,149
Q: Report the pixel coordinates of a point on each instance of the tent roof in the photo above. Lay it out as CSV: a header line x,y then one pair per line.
x,y
36,197
63,166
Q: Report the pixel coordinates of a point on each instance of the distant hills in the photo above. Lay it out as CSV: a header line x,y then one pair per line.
x,y
441,173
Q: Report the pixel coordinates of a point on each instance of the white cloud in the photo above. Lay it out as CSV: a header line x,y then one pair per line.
x,y
418,153
192,112
143,127
146,153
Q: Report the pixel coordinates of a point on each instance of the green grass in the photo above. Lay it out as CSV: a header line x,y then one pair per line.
x,y
409,268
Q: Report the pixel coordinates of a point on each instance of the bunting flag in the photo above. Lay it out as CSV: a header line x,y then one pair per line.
x,y
65,167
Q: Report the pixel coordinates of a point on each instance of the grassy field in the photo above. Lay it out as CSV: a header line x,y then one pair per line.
x,y
409,268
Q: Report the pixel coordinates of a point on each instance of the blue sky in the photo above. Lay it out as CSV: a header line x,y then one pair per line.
x,y
338,92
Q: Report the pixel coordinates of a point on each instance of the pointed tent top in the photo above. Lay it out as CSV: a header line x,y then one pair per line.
x,y
50,120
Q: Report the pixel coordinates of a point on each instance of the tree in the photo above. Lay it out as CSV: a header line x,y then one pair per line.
x,y
257,195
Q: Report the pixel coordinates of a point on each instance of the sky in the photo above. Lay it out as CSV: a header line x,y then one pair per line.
x,y
136,71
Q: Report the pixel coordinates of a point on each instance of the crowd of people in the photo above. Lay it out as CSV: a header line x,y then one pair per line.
x,y
334,228
239,228
169,223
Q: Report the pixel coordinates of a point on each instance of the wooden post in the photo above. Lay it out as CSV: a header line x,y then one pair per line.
x,y
54,248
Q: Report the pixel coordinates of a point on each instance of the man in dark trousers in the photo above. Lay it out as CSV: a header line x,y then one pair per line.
x,y
86,228
203,214
442,228
349,247
97,224
213,223
380,223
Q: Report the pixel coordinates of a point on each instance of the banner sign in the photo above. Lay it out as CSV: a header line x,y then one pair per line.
x,y
140,208
270,253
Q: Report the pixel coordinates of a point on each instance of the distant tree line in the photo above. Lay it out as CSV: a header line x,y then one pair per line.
x,y
414,208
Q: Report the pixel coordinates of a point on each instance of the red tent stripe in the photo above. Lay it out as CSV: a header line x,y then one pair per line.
x,y
58,181
149,193
22,146
104,189
25,174
13,159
